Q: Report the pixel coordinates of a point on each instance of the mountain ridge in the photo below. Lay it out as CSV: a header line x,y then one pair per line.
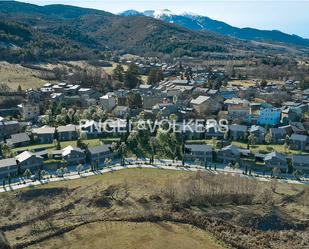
x,y
198,22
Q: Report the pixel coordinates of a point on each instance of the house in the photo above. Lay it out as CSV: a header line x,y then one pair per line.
x,y
231,154
8,167
240,112
44,135
7,128
99,154
269,116
213,130
165,109
115,127
201,152
278,135
238,132
121,111
90,128
73,156
151,100
108,102
29,160
19,139
276,160
29,111
67,133
259,132
301,163
298,128
298,142
205,105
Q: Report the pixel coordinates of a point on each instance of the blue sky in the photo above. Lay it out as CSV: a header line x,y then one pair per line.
x,y
286,15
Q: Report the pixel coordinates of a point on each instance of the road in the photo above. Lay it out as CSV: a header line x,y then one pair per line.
x,y
134,163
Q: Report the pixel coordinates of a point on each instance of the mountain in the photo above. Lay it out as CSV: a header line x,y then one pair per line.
x,y
202,23
31,32
34,33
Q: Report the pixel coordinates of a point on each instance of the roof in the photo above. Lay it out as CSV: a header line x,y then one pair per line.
x,y
199,147
254,128
18,138
44,130
99,149
67,150
236,127
8,162
303,138
301,159
234,149
24,156
278,131
67,128
199,100
275,154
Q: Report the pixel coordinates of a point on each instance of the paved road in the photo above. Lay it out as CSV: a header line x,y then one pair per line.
x,y
159,164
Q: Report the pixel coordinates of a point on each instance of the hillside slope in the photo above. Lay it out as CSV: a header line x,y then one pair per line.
x,y
203,23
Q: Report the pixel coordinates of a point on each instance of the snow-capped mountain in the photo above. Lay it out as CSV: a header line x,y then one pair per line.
x,y
199,23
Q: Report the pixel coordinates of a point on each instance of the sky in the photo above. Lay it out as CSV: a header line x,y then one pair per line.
x,y
290,16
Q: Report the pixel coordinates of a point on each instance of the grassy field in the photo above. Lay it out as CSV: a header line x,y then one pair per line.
x,y
119,235
14,75
153,208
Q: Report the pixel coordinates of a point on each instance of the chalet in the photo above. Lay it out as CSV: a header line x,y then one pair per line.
x,y
238,132
99,154
67,133
8,167
259,132
90,128
7,128
28,160
301,163
298,142
19,139
201,152
231,154
44,135
73,156
276,160
205,105
278,135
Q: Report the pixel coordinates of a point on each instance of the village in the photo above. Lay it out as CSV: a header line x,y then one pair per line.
x,y
56,127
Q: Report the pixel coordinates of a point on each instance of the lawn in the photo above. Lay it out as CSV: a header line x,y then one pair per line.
x,y
254,148
119,235
49,147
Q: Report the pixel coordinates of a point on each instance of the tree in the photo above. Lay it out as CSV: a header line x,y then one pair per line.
x,y
79,168
131,78
134,100
155,75
275,172
263,84
27,174
118,73
268,138
153,144
252,139
60,172
43,173
123,152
